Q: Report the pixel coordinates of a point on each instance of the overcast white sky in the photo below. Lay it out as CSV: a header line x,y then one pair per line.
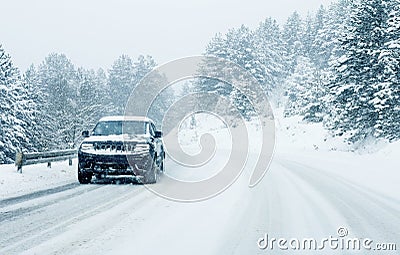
x,y
93,33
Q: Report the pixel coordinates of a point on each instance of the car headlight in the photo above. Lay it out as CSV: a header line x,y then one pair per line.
x,y
87,146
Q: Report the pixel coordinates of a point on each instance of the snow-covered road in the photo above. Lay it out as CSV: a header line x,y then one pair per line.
x,y
296,199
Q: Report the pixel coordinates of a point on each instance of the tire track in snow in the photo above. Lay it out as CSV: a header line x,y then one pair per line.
x,y
37,194
366,215
26,206
41,224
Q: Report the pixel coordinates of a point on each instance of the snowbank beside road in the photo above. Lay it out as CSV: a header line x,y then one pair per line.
x,y
295,134
34,178
374,167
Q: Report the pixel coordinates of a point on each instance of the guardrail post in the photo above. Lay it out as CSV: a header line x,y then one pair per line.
x,y
19,158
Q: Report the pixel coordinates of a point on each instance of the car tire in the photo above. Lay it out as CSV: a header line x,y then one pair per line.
x,y
84,178
162,164
152,175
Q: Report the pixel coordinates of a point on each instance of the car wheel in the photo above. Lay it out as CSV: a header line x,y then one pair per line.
x,y
84,178
152,174
162,165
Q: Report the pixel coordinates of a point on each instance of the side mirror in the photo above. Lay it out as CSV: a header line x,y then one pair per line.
x,y
158,134
85,133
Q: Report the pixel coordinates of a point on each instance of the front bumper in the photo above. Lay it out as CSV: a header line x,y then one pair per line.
x,y
115,164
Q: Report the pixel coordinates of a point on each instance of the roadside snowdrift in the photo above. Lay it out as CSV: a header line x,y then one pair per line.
x,y
34,178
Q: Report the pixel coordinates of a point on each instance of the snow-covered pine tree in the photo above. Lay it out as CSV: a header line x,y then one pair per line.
x,y
353,87
89,106
387,98
142,66
161,99
104,94
217,47
39,120
57,80
309,35
239,47
15,109
330,26
305,92
319,52
271,53
121,82
243,52
292,36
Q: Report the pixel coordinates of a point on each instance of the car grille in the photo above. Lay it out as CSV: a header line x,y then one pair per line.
x,y
114,146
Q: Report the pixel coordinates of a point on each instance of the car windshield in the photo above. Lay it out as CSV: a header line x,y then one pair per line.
x,y
119,127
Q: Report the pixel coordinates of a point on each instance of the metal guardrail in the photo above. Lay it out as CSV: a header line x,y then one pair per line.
x,y
24,159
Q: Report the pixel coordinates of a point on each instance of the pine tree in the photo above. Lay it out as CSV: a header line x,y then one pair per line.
x,y
357,73
142,66
306,92
271,53
239,47
387,98
217,47
320,54
121,82
292,35
38,129
58,81
15,109
330,26
104,93
89,106
308,37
